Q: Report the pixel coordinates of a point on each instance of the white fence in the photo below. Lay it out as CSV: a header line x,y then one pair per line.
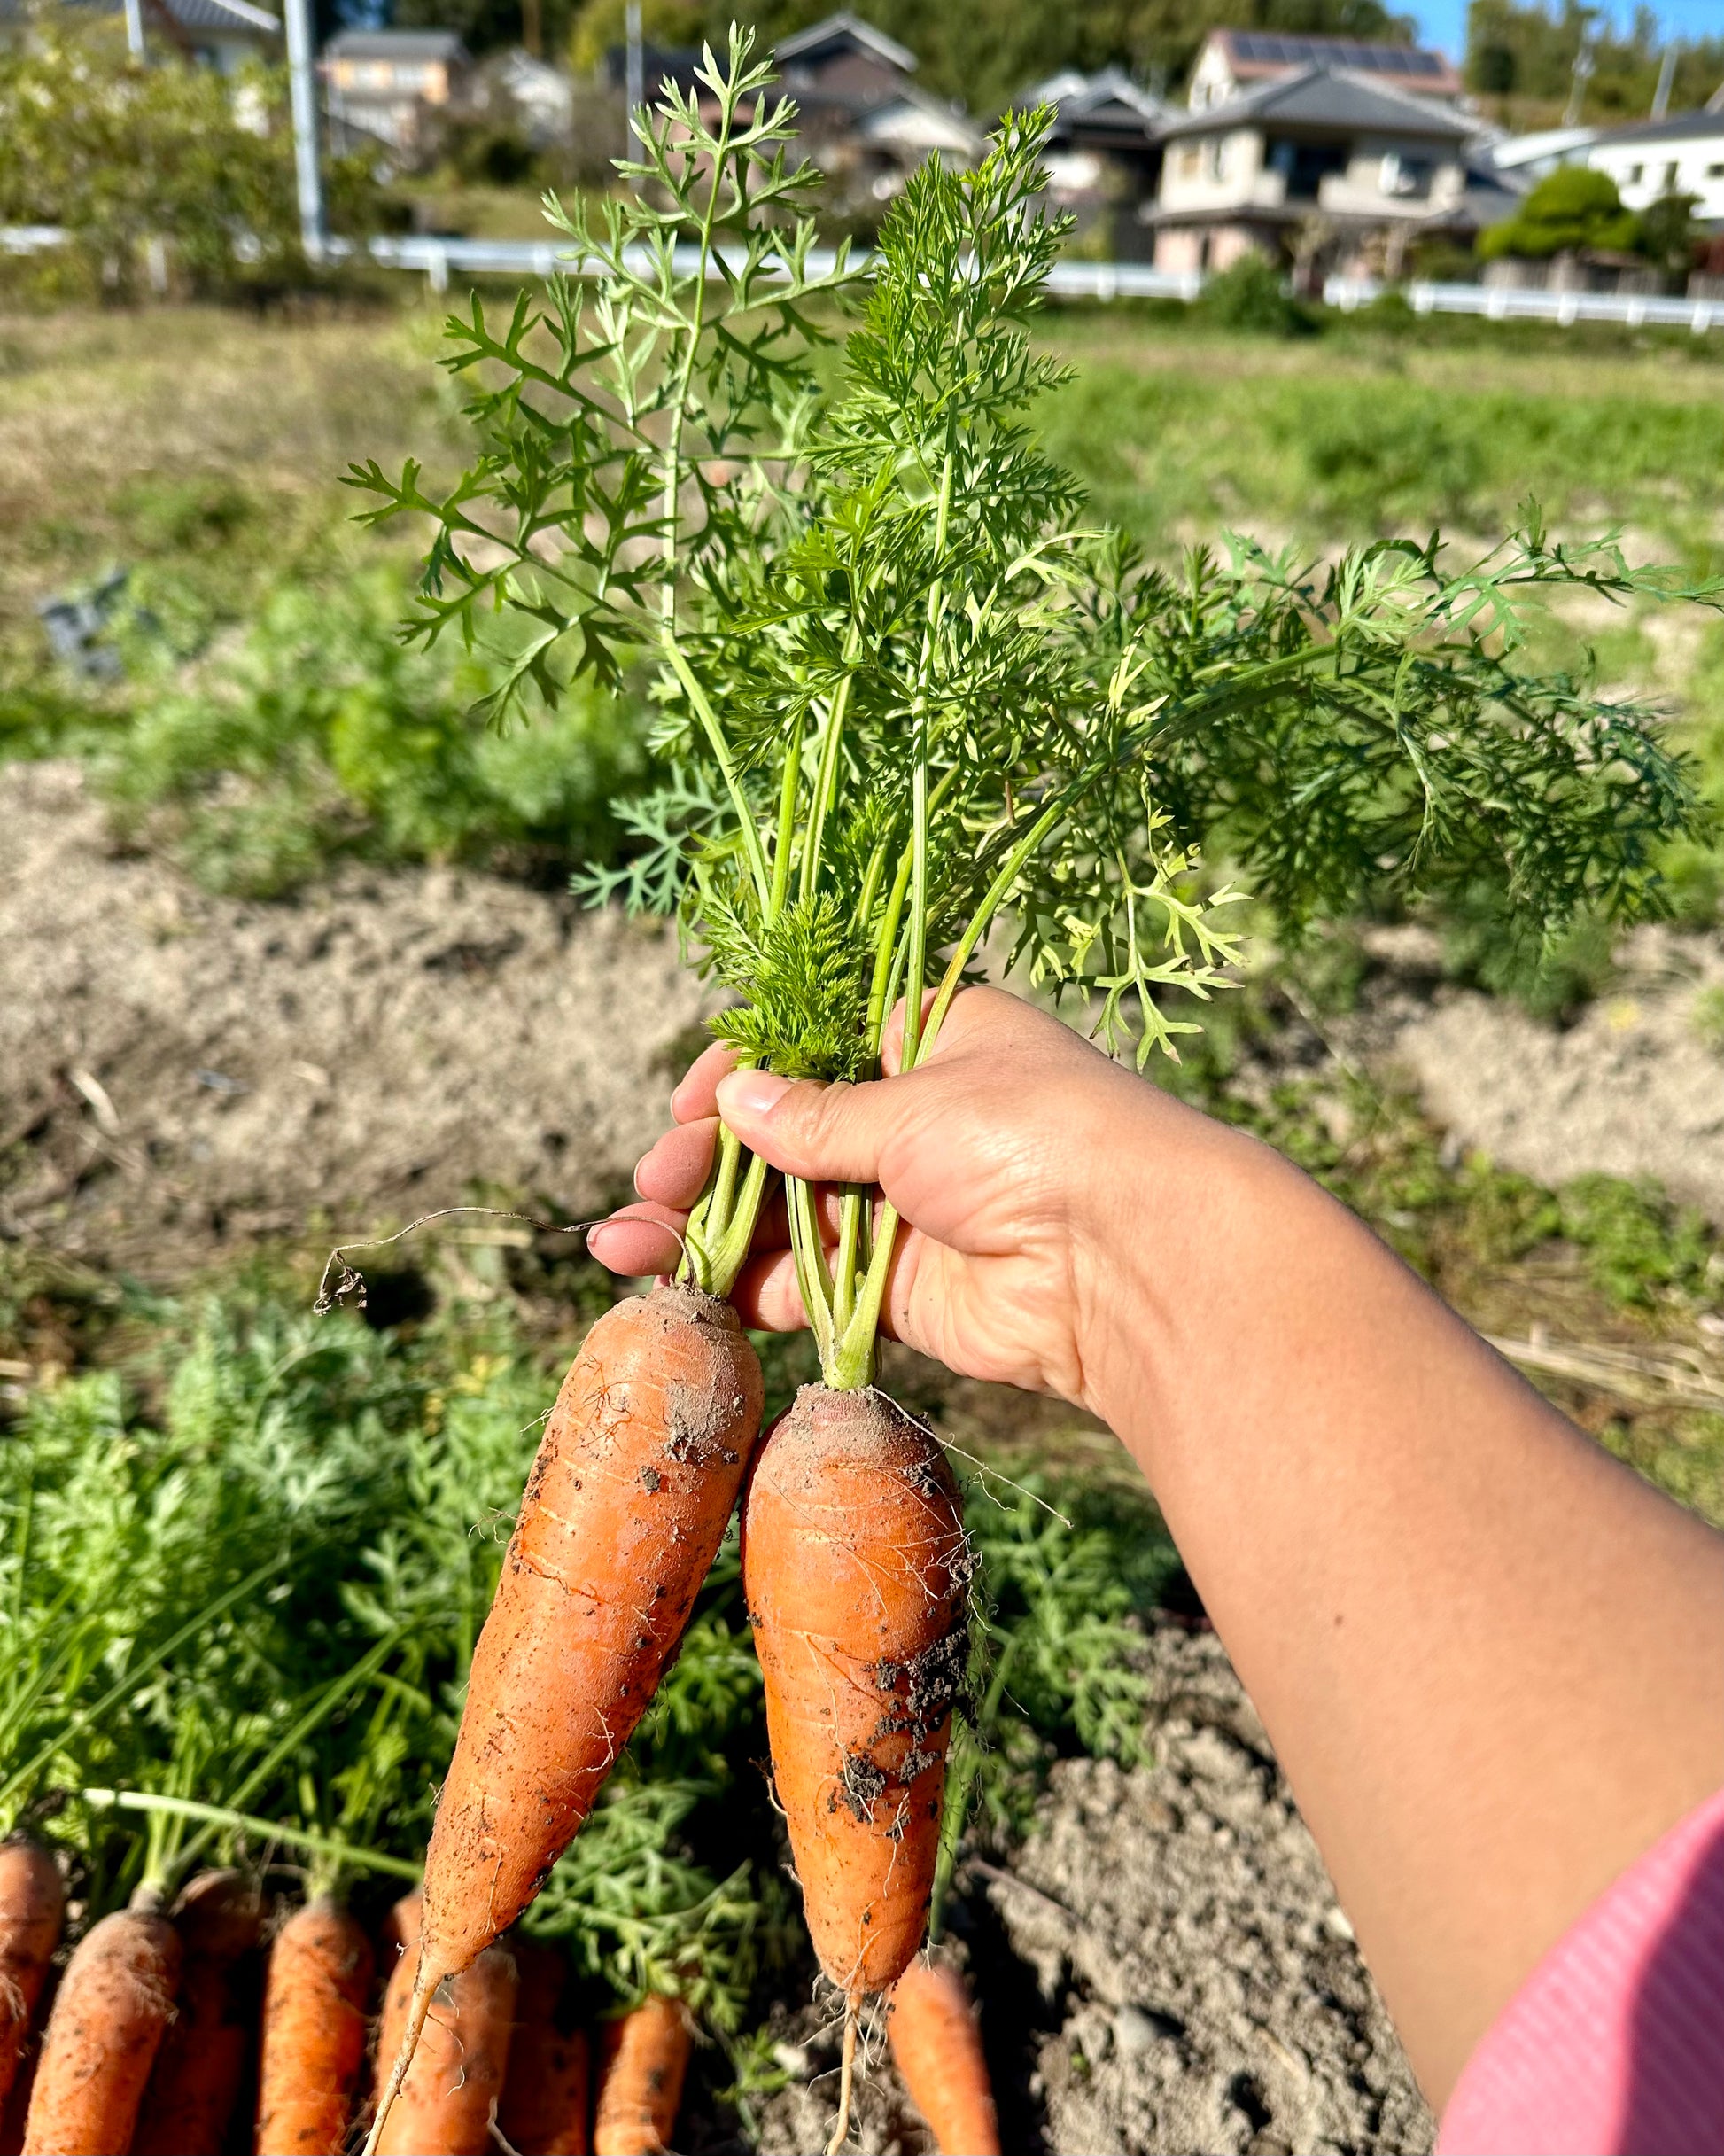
x,y
436,258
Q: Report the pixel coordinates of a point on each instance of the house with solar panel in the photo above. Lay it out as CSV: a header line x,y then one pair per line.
x,y
1319,167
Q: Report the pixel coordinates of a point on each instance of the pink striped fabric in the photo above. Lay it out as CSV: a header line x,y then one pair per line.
x,y
1614,2046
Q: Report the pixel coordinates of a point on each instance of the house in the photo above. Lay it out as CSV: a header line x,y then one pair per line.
x,y
1103,155
225,35
382,82
1232,62
1329,169
1684,155
542,97
843,62
862,117
1525,159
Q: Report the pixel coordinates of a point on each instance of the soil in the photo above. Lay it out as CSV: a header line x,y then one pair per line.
x,y
1163,1967
191,1071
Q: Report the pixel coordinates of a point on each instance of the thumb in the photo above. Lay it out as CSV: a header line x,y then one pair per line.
x,y
821,1133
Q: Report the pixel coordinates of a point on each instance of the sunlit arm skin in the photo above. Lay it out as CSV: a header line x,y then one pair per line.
x,y
1490,1658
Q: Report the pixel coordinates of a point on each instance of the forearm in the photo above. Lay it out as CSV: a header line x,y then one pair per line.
x,y
1492,1662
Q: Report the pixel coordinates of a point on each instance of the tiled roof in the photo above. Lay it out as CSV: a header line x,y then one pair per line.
x,y
396,45
1327,97
844,23
1680,127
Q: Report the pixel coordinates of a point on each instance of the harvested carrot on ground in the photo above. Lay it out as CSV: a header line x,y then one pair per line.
x,y
548,2096
449,2098
623,1514
313,2029
644,2058
934,2040
196,2080
112,2010
856,1569
32,1909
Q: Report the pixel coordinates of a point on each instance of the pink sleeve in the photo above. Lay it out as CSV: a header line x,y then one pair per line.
x,y
1615,2045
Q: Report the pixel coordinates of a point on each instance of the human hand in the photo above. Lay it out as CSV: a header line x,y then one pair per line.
x,y
1016,1155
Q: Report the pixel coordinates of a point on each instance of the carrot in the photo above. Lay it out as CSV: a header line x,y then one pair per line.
x,y
314,2031
645,2056
621,1519
547,2094
32,1906
449,2098
111,2012
855,1568
938,2049
17,2106
194,2082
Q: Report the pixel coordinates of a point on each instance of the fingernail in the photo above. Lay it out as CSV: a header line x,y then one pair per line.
x,y
751,1092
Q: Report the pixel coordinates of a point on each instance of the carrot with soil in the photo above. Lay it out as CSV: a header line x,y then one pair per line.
x,y
32,1910
195,2083
312,2041
934,2040
644,2058
112,2010
548,2095
627,1502
447,2102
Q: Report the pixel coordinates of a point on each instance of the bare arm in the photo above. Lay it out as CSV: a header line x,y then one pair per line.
x,y
1490,1658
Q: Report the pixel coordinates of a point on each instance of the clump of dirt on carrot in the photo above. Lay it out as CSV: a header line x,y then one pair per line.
x,y
195,2083
644,2058
313,2040
32,1910
112,2010
857,1570
937,2046
623,1514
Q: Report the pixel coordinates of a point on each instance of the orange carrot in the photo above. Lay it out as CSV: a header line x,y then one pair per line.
x,y
450,2097
17,2106
314,2031
621,1521
645,2056
855,1568
938,2049
546,2097
111,2014
32,1905
194,2082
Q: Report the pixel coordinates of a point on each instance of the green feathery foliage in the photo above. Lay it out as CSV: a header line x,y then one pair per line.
x,y
910,700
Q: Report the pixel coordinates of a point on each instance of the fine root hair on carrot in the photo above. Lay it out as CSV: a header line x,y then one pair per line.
x,y
32,1910
412,2028
447,2102
627,1502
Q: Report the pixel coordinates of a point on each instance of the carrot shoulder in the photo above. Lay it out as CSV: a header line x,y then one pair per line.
x,y
622,1516
32,1908
314,2031
938,2049
645,2056
194,2082
548,2095
110,2015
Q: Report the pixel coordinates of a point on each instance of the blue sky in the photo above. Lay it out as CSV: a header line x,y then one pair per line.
x,y
1443,22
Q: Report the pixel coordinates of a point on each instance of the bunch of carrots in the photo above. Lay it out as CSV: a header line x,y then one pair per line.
x,y
147,2040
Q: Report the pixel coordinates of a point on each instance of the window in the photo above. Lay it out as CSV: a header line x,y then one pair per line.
x,y
1215,158
1633,176
1670,172
1405,175
1715,172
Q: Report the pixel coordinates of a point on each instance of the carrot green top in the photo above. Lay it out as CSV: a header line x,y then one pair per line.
x,y
911,700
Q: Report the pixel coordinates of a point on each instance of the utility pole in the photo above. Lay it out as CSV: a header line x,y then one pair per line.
x,y
635,78
134,28
1666,77
302,84
532,33
1583,65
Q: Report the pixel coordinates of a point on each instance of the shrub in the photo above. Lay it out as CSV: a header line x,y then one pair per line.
x,y
1571,208
1248,296
321,735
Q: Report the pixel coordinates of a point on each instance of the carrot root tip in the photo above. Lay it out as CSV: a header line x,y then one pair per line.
x,y
846,2079
418,2008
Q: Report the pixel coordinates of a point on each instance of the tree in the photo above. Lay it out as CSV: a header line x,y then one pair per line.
x,y
1572,209
1522,54
158,174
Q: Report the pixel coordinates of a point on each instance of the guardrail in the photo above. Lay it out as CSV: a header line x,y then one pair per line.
x,y
434,259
